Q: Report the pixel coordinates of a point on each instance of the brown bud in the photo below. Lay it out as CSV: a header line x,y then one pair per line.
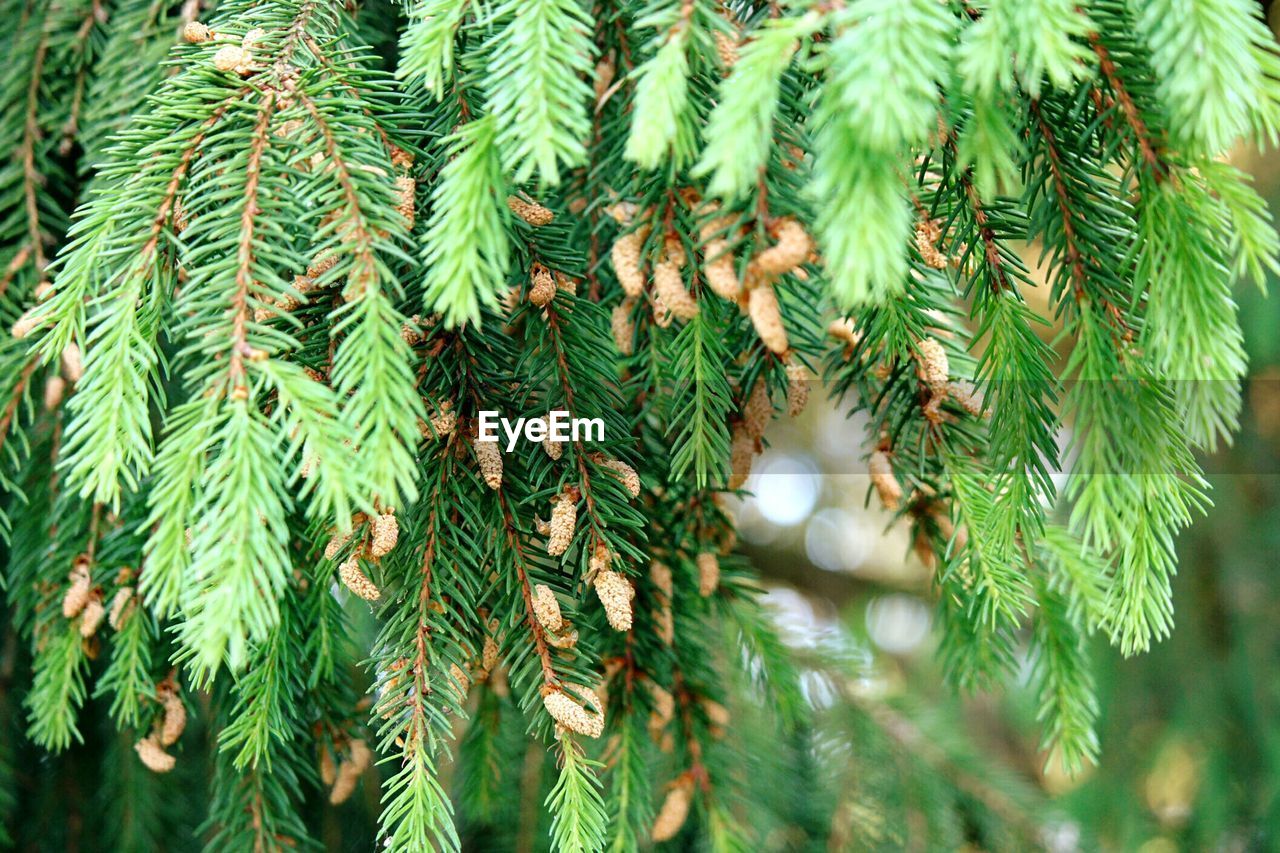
x,y
797,389
461,681
726,49
675,809
606,68
742,452
789,252
544,286
180,218
349,772
719,270
964,393
662,315
601,560
91,617
615,594
72,363
923,548
335,545
356,580
564,519
623,212
566,639
717,714
574,717
405,189
489,455
660,575
885,483
175,718
546,608
122,605
195,32
442,422
566,284
668,283
489,654
386,532
664,624
322,263
77,595
400,158
758,410
25,324
932,366
624,330
664,705
530,211
231,58
54,389
630,479
843,330
153,755
708,573
928,232
328,769
762,305
625,255
715,227
673,250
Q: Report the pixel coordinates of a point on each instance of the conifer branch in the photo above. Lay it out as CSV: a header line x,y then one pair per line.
x,y
238,275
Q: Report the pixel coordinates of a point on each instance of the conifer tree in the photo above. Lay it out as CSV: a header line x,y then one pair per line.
x,y
264,264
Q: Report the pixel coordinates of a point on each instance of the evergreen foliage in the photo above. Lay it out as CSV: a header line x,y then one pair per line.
x,y
260,273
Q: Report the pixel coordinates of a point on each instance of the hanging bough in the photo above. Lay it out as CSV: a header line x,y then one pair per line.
x,y
259,296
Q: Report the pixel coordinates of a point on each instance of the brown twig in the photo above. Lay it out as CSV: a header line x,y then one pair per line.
x,y
31,177
360,232
526,592
422,636
1075,258
244,252
562,374
1150,156
15,399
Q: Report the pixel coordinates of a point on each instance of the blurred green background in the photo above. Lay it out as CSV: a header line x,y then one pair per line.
x,y
1190,732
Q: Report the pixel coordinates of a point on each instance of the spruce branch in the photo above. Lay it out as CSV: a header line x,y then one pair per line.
x,y
539,54
466,246
427,44
244,475
864,134
1229,90
748,104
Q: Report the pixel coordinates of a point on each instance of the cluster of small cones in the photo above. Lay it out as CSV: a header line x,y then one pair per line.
x,y
84,601
583,714
152,749
747,432
343,775
670,297
378,534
